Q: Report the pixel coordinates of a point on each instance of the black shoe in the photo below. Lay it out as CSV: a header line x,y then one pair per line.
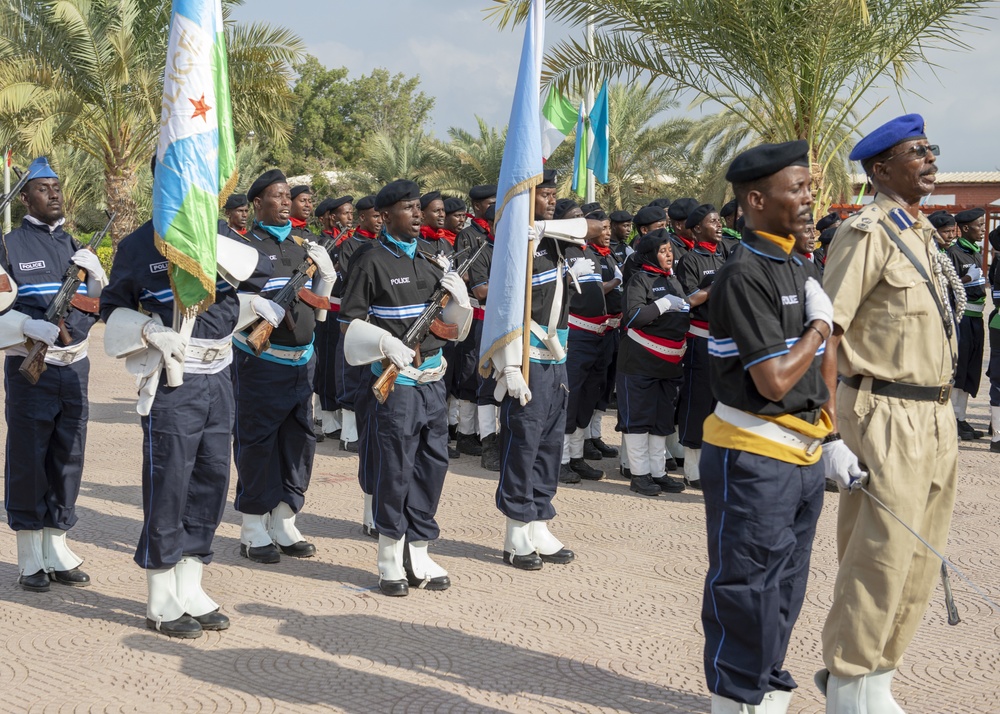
x,y
696,485
532,561
267,554
394,588
302,549
318,433
453,453
679,460
469,444
568,475
75,578
995,447
966,432
560,557
333,435
585,470
452,432
668,484
213,620
625,473
591,452
37,583
671,464
830,486
349,446
490,459
644,486
607,452
185,627
369,531
441,582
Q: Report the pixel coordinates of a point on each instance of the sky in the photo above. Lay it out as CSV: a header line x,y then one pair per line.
x,y
470,67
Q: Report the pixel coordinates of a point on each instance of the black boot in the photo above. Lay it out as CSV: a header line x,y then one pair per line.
x,y
966,432
452,432
608,452
490,459
75,578
532,561
469,444
37,583
213,620
585,470
644,486
184,627
590,451
669,484
568,475
267,554
625,473
995,447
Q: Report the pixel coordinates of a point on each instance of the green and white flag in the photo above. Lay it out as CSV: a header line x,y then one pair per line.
x,y
558,120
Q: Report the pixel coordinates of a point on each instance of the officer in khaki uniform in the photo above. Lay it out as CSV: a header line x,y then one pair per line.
x,y
895,351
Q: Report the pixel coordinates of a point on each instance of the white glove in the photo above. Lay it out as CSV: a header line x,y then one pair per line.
x,y
267,310
441,260
512,381
818,304
618,273
533,235
581,267
841,465
91,263
672,303
974,273
395,351
41,331
453,283
167,341
318,255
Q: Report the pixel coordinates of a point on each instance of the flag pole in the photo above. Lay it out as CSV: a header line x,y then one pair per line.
x,y
591,183
530,263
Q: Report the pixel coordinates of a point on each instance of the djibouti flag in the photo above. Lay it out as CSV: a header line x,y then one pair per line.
x,y
195,156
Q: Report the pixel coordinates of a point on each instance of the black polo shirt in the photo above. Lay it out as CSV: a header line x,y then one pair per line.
x,y
589,302
640,314
697,271
963,259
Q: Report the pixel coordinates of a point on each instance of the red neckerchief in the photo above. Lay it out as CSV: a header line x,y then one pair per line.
x,y
689,244
653,269
344,235
297,222
708,245
241,232
600,250
449,236
809,256
481,222
364,234
428,233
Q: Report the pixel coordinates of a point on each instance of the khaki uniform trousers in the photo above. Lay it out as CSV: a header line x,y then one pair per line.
x,y
885,579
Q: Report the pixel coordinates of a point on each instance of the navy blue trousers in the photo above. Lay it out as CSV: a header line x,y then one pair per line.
x,y
185,469
761,517
350,380
273,438
993,370
971,340
406,448
485,386
328,346
46,436
587,358
531,444
695,402
466,383
647,405
609,385
367,445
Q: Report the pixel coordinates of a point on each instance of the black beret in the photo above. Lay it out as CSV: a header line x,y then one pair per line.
x,y
589,208
729,209
766,160
621,217
490,214
969,215
651,242
941,219
398,190
323,207
663,203
908,126
365,203
826,221
681,208
698,215
454,205
236,200
827,235
648,215
429,198
487,190
549,178
265,180
995,239
597,215
564,206
300,189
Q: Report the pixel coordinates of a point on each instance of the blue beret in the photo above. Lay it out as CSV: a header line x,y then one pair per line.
x,y
766,160
681,208
39,168
699,214
908,126
621,217
454,205
263,181
969,215
648,215
396,191
236,200
365,203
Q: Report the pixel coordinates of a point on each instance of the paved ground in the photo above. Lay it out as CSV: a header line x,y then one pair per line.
x,y
617,630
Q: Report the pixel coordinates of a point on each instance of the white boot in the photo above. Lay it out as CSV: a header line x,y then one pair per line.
x,y
518,540
163,604
349,426
187,574
468,422
723,705
674,446
575,441
30,553
960,403
390,559
595,426
657,456
55,552
775,702
637,446
427,574
254,531
691,458
547,545
880,699
453,410
282,529
368,517
329,420
995,421
486,416
845,695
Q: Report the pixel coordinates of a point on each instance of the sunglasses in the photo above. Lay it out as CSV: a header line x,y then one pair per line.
x,y
919,151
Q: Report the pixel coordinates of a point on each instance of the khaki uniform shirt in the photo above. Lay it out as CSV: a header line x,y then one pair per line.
x,y
893,329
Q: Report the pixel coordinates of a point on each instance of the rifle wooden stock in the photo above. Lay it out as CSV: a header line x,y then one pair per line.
x,y
259,338
5,286
34,364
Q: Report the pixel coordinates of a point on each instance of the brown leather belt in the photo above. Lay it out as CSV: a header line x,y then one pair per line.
x,y
901,390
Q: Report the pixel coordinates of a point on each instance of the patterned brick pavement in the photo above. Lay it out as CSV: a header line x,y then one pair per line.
x,y
616,631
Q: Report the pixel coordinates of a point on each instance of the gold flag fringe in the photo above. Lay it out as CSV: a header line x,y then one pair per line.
x,y
189,265
227,188
484,362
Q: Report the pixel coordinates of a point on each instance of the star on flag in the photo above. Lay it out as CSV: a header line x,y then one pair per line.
x,y
200,107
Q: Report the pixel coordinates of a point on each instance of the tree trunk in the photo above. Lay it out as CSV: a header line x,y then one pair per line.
x,y
119,180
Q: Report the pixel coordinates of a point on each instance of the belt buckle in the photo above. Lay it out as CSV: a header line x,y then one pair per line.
x,y
602,328
210,354
944,394
813,446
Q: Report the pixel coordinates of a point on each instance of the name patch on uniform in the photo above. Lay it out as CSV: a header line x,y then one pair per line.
x,y
658,290
400,281
158,267
34,265
541,254
789,299
272,258
708,272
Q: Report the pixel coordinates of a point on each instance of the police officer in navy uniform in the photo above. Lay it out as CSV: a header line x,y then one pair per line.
x,y
273,439
237,210
621,229
187,409
647,218
761,473
696,271
46,421
404,439
966,255
301,210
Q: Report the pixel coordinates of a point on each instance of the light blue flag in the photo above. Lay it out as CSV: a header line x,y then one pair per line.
x,y
598,159
520,170
580,156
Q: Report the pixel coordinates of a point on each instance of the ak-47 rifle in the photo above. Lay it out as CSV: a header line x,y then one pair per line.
x,y
429,321
292,292
34,364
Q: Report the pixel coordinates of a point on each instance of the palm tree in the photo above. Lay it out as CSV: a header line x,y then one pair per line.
x,y
788,70
88,74
386,157
467,160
